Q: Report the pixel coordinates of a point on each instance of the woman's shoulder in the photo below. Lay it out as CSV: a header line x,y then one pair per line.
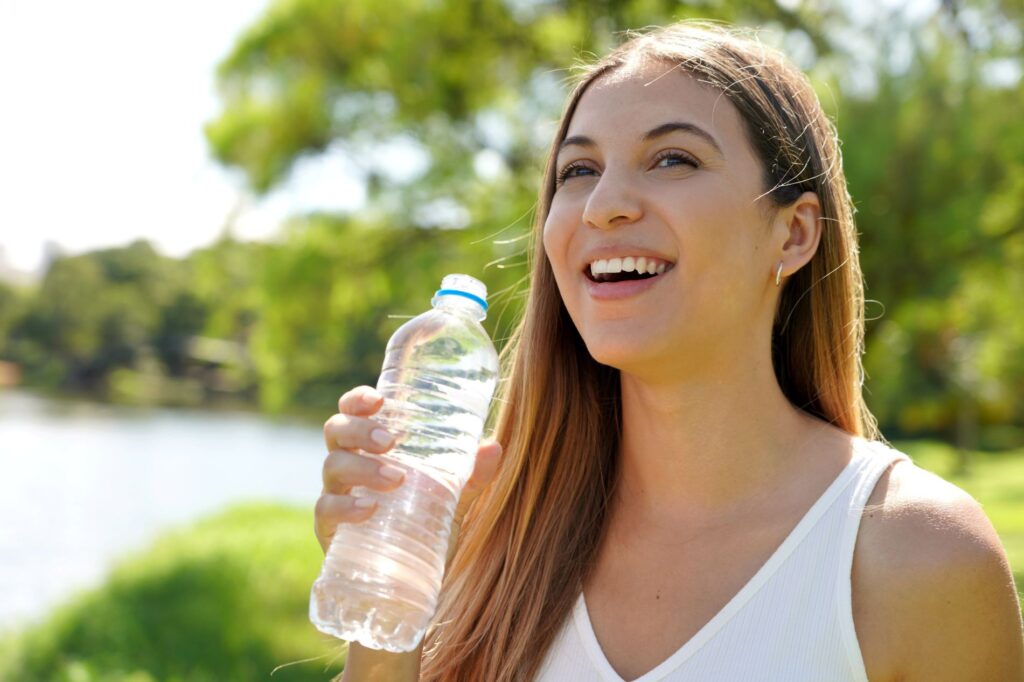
x,y
911,507
932,582
918,526
904,486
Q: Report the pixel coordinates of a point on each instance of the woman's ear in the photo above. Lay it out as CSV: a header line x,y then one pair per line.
x,y
800,226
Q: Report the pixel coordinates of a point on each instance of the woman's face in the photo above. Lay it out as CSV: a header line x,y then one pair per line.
x,y
655,165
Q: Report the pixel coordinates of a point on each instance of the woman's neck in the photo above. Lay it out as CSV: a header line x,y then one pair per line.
x,y
708,448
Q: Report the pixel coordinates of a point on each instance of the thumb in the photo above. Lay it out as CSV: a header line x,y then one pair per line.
x,y
488,458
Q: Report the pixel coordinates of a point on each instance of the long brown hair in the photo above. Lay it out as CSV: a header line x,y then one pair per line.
x,y
530,539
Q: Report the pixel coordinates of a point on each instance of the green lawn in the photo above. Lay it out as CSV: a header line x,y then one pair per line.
x,y
226,599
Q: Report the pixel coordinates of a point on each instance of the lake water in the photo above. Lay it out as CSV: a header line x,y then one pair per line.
x,y
83,483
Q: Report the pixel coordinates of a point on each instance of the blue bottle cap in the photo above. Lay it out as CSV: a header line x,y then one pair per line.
x,y
465,286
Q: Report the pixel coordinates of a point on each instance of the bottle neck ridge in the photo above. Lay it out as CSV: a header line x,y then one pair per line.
x,y
460,302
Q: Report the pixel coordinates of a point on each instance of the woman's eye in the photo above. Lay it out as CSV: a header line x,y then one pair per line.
x,y
573,170
667,159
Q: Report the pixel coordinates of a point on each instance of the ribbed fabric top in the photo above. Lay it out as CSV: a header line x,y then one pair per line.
x,y
791,622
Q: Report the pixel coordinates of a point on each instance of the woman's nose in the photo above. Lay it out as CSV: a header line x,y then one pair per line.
x,y
612,202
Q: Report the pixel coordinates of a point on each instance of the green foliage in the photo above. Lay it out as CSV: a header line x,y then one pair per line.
x,y
224,600
11,303
123,322
938,166
350,286
92,313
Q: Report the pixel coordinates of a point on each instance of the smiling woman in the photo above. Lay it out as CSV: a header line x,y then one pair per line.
x,y
693,487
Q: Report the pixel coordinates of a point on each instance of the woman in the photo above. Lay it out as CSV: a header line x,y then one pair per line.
x,y
688,455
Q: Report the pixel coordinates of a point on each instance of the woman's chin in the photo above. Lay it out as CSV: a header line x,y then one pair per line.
x,y
627,356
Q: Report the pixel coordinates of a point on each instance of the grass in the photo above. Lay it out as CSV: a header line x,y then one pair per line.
x,y
226,599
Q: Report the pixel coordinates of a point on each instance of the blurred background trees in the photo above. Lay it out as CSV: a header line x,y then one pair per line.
x,y
445,110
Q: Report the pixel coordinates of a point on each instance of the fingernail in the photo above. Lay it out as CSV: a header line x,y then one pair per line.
x,y
363,502
391,473
370,397
380,436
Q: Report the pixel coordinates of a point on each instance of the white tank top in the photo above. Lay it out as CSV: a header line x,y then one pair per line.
x,y
792,622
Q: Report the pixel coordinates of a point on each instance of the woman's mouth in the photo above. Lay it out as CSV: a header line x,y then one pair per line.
x,y
624,283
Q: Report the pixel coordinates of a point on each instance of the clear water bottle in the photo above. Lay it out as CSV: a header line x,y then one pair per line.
x,y
381,577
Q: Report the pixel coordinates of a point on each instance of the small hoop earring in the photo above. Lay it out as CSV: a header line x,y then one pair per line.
x,y
778,274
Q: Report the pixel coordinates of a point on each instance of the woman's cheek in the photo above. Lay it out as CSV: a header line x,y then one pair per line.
x,y
556,238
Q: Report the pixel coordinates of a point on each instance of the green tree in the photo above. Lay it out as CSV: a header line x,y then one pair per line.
x,y
10,310
937,168
93,313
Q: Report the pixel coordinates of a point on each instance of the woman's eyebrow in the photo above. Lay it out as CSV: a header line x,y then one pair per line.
x,y
692,128
576,140
663,129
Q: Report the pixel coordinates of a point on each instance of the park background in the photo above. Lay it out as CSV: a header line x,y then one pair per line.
x,y
161,399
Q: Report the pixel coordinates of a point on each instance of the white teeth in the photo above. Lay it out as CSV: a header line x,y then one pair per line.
x,y
641,264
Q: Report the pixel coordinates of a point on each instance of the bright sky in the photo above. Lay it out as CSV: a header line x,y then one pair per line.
x,y
101,136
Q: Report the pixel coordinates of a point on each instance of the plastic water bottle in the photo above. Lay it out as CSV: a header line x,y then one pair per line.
x,y
381,577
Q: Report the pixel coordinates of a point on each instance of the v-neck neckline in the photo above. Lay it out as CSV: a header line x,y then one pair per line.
x,y
585,628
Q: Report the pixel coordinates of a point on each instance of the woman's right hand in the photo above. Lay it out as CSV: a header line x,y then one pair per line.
x,y
353,460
